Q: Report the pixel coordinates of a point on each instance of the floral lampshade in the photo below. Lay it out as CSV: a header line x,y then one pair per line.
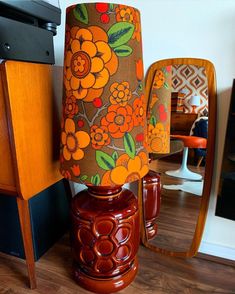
x,y
159,112
104,111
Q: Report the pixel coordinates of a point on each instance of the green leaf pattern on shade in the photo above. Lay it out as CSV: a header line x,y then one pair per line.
x,y
123,50
120,33
166,85
129,145
115,155
83,178
140,87
153,120
80,13
95,180
111,6
104,160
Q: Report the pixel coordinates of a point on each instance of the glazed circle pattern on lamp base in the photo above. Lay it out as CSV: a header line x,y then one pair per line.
x,y
105,238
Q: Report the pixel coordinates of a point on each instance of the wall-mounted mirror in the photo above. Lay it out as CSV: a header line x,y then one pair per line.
x,y
225,206
173,222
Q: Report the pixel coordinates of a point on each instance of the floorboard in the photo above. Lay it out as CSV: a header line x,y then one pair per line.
x,y
179,210
157,274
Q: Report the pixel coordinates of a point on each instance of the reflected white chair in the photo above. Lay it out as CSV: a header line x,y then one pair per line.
x,y
183,171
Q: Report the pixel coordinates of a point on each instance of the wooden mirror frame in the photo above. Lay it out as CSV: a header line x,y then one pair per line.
x,y
210,73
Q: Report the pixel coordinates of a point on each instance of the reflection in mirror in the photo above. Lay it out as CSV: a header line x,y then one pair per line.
x,y
181,134
226,201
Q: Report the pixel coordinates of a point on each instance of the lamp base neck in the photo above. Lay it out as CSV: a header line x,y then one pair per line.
x,y
104,192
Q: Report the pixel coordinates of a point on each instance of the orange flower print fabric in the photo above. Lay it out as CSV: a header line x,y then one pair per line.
x,y
139,69
159,79
73,141
70,107
139,111
118,120
88,63
159,112
104,111
99,136
127,170
121,93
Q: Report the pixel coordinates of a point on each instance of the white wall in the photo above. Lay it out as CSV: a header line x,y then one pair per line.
x,y
190,28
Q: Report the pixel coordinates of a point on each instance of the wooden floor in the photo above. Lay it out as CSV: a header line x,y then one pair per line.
x,y
179,210
157,274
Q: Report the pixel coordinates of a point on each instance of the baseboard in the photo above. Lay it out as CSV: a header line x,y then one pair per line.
x,y
217,250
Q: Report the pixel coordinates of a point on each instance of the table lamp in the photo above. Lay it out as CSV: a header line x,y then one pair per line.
x,y
103,141
158,121
195,101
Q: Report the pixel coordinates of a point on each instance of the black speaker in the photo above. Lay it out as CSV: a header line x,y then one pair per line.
x,y
49,212
27,29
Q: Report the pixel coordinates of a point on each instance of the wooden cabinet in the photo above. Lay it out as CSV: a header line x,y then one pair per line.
x,y
7,176
29,139
181,122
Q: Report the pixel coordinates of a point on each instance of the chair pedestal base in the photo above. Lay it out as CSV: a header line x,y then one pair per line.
x,y
184,174
183,171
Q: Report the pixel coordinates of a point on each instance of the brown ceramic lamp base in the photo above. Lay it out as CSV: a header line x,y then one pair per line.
x,y
152,199
105,238
151,228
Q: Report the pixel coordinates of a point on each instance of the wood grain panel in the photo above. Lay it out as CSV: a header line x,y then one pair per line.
x,y
34,116
24,217
7,179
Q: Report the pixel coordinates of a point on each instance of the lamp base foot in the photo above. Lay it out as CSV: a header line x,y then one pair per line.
x,y
105,285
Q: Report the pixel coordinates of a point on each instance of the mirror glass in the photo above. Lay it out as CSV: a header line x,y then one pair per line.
x,y
226,201
181,104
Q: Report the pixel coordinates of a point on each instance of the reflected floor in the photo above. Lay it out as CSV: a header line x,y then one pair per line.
x,y
178,211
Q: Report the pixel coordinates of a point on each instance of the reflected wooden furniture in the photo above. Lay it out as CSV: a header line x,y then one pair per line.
x,y
29,140
181,123
211,87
